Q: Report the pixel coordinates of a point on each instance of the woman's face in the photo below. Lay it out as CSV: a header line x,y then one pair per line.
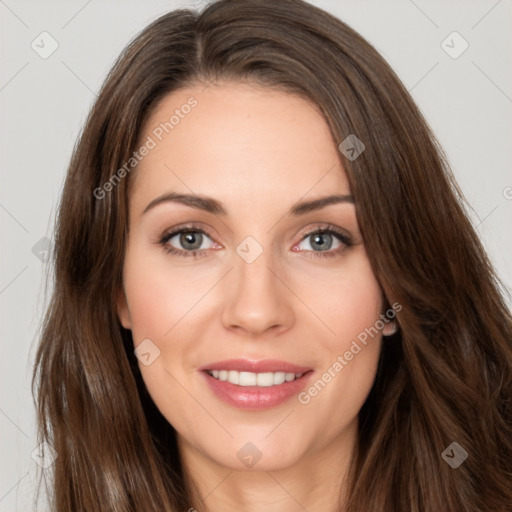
x,y
250,294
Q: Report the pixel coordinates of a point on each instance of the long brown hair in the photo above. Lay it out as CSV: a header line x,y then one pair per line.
x,y
445,377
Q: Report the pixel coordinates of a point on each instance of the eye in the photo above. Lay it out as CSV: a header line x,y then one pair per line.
x,y
325,242
186,242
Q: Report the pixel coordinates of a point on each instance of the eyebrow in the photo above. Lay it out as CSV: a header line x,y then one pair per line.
x,y
210,205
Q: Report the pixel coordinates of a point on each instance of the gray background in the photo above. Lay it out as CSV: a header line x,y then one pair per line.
x,y
466,100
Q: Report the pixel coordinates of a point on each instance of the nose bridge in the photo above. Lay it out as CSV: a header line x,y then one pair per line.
x,y
256,299
252,266
254,279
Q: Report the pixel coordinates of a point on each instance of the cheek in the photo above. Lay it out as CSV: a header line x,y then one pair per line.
x,y
158,295
347,301
350,305
161,302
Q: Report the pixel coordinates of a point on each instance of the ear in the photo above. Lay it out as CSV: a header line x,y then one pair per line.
x,y
122,309
390,328
391,325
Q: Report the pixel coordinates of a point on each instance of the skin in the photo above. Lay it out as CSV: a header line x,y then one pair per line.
x,y
258,151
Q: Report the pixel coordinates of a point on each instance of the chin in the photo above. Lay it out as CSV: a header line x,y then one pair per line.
x,y
258,454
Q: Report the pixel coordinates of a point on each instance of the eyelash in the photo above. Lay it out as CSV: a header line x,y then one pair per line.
x,y
345,239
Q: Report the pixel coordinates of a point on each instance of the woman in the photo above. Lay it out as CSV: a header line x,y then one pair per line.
x,y
267,291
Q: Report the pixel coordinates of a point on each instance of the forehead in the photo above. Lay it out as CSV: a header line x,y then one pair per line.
x,y
241,143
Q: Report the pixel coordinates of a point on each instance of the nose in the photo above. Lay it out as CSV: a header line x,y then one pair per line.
x,y
257,299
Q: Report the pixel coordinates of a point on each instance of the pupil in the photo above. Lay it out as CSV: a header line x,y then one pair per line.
x,y
191,240
317,240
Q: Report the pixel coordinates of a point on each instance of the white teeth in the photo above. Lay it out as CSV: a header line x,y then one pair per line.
x,y
265,379
245,379
254,379
278,378
233,377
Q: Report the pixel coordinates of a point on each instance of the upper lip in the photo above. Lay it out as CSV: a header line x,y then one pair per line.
x,y
255,366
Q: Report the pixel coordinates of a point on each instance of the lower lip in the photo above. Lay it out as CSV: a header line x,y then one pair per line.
x,y
256,398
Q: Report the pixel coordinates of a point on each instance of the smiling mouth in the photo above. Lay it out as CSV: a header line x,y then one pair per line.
x,y
263,379
255,385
